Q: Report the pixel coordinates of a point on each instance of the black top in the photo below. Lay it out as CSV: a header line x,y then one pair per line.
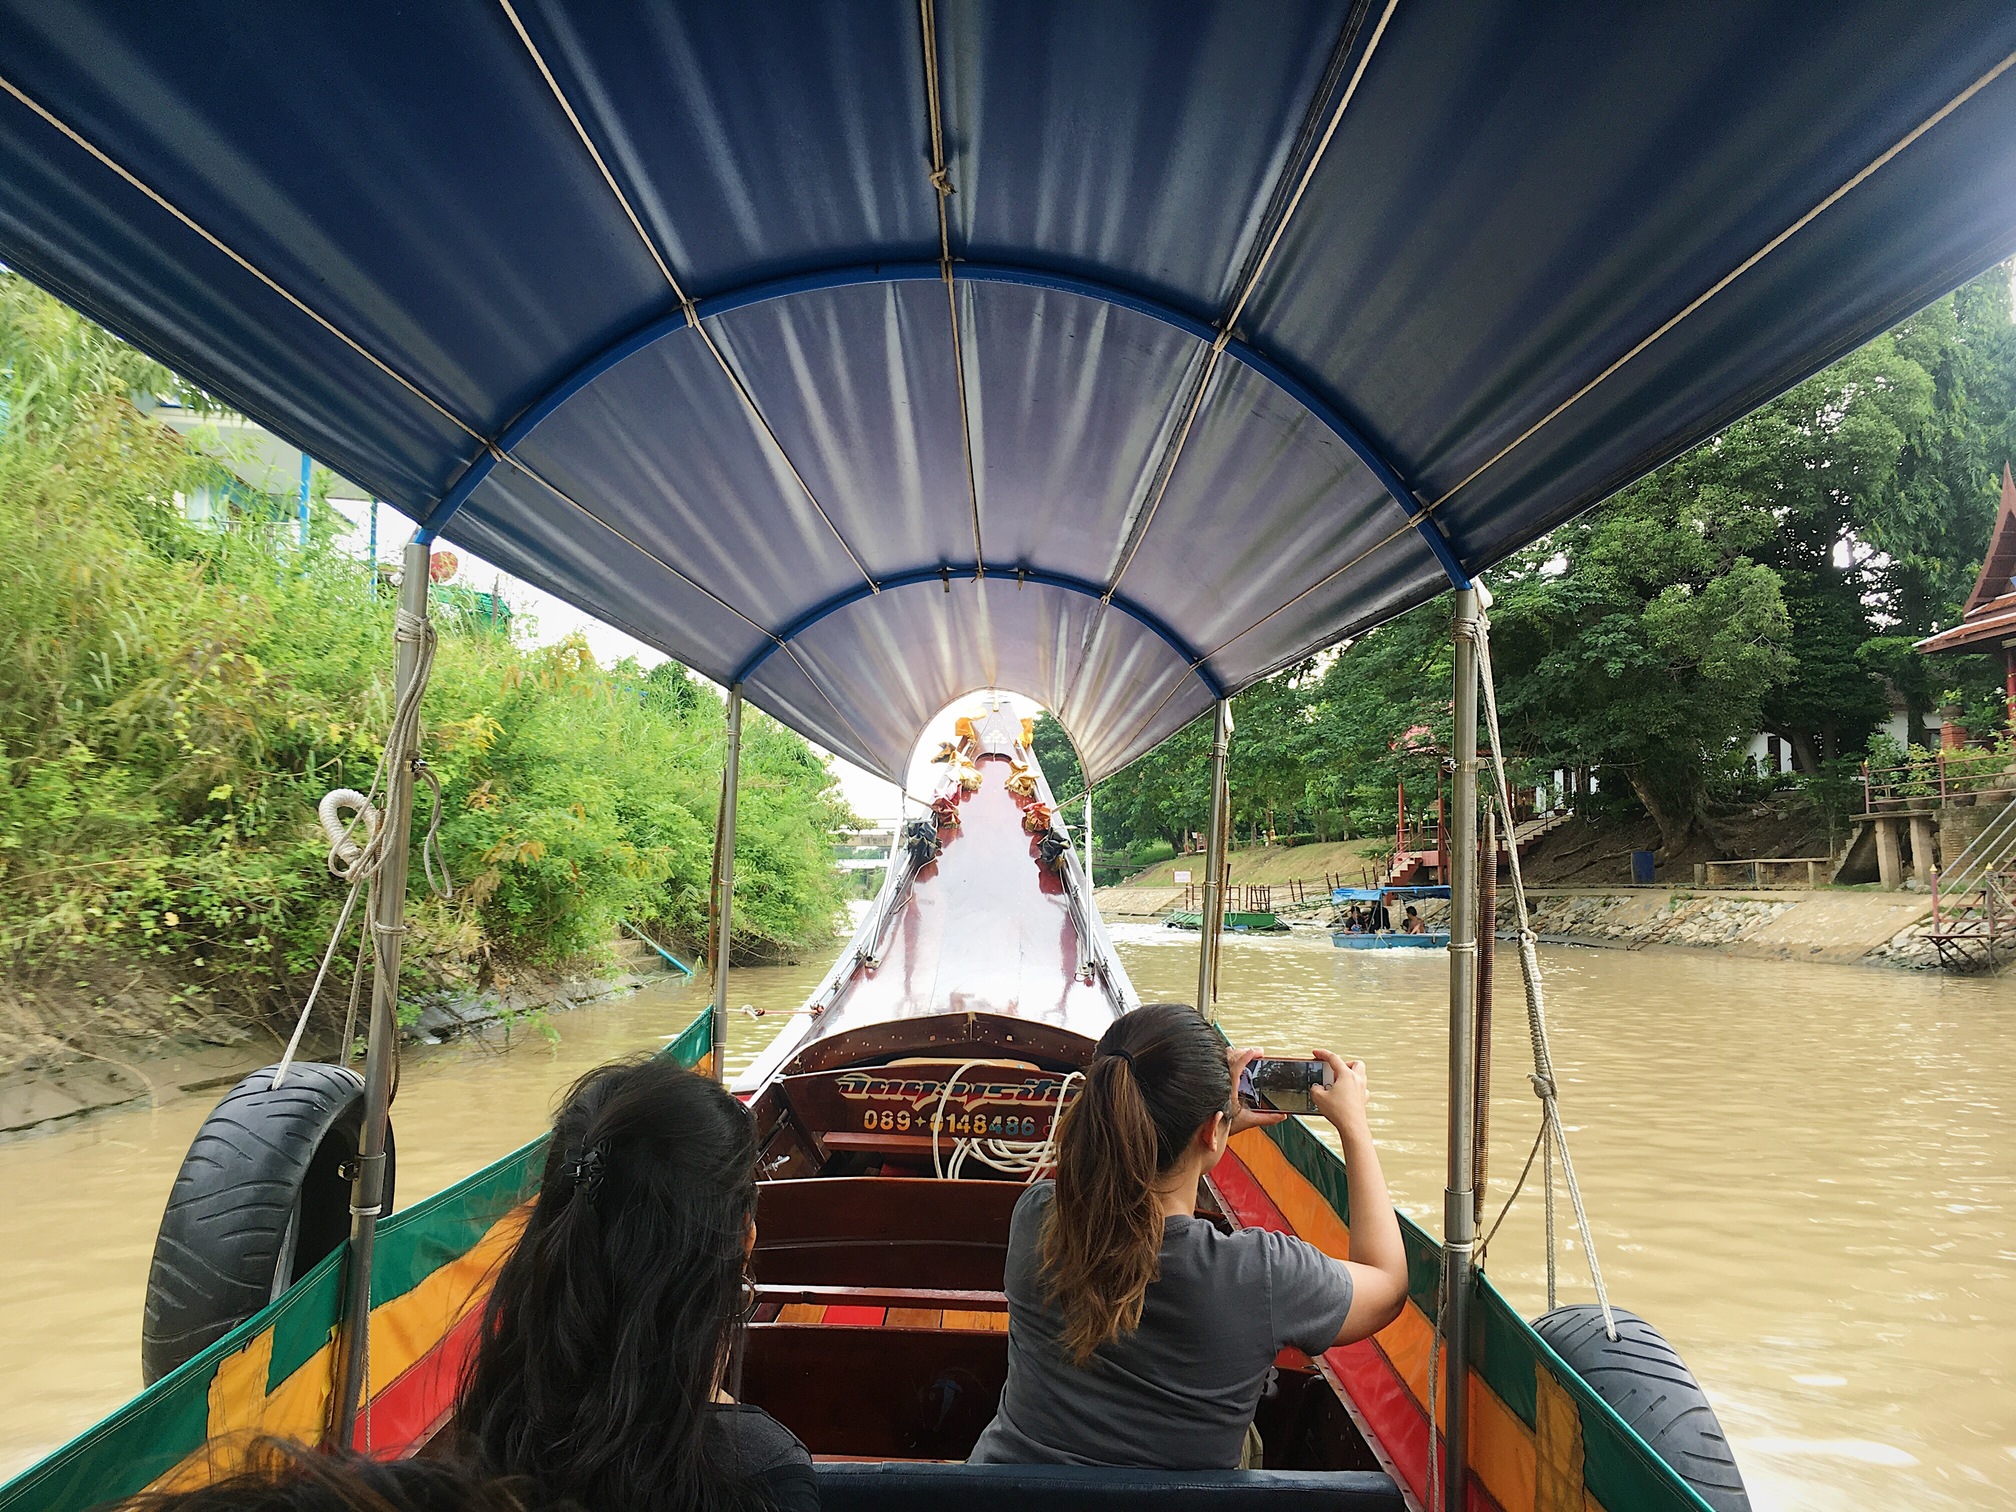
x,y
762,1450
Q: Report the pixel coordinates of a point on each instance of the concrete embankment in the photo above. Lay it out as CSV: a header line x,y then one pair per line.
x,y
1827,925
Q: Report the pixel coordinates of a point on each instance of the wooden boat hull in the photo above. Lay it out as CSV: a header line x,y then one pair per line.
x,y
896,1126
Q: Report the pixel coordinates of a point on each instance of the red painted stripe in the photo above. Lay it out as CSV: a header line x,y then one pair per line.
x,y
1364,1374
855,1317
1244,1198
400,1418
1361,1371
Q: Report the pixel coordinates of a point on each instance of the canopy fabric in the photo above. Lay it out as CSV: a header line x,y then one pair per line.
x,y
1247,326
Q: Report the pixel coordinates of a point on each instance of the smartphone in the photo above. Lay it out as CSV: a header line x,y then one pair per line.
x,y
1282,1086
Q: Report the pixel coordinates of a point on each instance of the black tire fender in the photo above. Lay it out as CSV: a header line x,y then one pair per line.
x,y
262,1196
1643,1380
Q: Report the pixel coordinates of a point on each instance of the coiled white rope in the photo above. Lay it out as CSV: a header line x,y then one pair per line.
x,y
1553,1137
358,861
1012,1157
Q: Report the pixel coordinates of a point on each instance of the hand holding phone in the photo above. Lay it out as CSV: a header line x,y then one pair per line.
x,y
1279,1085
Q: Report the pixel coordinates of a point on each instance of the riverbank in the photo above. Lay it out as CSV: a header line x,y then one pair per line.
x,y
45,1080
1834,926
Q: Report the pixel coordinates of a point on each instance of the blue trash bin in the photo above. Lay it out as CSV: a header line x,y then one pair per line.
x,y
1641,867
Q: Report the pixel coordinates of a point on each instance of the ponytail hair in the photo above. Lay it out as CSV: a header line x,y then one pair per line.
x,y
1157,1075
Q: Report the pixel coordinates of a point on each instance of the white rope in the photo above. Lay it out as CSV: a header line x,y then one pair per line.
x,y
1012,1157
359,862
1554,1135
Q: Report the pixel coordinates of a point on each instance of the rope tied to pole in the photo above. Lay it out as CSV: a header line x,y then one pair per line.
x,y
1552,1138
358,846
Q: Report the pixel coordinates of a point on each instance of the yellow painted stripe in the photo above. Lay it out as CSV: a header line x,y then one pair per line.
x,y
405,1328
1301,1204
801,1312
1558,1448
1502,1450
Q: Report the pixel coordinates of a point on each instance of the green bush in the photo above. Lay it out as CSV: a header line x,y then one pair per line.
x,y
175,699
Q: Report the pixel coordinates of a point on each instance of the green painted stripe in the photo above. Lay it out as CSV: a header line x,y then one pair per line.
x,y
1501,1353
147,1437
1620,1469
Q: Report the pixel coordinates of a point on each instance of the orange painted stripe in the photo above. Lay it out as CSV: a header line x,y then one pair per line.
x,y
802,1312
1502,1452
977,1322
1300,1203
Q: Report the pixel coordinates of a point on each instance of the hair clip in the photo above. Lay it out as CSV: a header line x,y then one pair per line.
x,y
585,1171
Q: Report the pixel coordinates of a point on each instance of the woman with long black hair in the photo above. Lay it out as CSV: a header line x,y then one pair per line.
x,y
599,1367
1138,1334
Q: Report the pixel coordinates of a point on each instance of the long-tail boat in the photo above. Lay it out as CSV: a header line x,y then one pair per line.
x,y
861,357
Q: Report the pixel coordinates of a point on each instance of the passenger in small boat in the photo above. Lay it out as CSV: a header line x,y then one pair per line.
x,y
604,1346
279,1476
1138,1333
1413,923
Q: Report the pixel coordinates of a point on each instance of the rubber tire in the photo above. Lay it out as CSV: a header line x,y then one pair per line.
x,y
261,1197
1642,1378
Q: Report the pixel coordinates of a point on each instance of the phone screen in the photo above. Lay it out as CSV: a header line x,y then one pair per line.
x,y
1282,1086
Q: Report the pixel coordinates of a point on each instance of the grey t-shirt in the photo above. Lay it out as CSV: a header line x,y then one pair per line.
x,y
1179,1391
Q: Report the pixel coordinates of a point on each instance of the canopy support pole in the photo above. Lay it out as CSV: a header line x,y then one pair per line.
x,y
388,931
1213,919
1088,834
1459,1219
724,877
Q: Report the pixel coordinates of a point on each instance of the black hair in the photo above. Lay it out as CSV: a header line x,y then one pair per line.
x,y
1157,1075
611,1323
275,1475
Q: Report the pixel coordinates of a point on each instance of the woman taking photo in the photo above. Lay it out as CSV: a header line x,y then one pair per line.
x,y
1138,1334
599,1366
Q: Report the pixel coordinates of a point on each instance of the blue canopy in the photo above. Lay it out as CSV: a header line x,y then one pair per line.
x,y
1115,352
1374,894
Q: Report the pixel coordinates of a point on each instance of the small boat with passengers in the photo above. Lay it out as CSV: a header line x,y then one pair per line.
x,y
862,357
1371,904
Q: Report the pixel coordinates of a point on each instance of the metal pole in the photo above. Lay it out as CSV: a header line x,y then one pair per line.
x,y
1088,834
1487,948
1213,918
724,875
388,929
303,508
1459,1223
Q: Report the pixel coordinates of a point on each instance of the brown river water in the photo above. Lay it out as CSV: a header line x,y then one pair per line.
x,y
1805,1176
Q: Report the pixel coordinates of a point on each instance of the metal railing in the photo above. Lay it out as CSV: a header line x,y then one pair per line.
x,y
1938,778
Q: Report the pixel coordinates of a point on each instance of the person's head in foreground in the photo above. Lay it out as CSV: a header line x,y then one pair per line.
x,y
278,1476
1139,1334
606,1338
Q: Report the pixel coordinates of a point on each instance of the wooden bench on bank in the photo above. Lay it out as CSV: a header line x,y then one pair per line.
x,y
1751,872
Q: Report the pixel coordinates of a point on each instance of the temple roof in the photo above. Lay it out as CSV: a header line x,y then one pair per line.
x,y
1990,615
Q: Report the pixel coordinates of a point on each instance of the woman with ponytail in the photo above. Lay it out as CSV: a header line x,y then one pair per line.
x,y
1138,1334
604,1346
